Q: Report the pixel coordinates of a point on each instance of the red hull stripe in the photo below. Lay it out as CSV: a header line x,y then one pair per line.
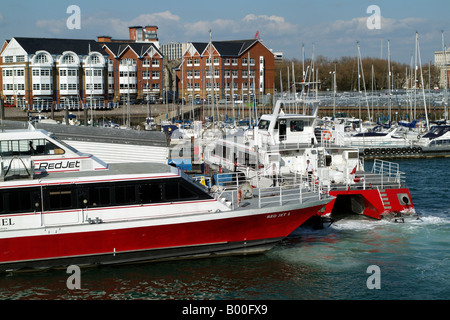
x,y
246,228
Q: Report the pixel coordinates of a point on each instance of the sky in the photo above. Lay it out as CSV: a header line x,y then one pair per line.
x,y
325,27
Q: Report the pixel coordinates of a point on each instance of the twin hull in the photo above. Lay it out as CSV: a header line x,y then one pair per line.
x,y
157,237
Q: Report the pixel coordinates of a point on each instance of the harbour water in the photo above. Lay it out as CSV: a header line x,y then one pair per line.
x,y
327,264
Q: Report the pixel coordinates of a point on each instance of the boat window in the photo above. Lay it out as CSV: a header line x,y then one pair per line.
x,y
99,196
353,155
19,200
263,125
125,194
175,191
150,193
33,147
297,125
58,198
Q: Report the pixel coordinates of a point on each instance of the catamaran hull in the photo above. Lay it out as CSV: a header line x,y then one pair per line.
x,y
249,233
370,202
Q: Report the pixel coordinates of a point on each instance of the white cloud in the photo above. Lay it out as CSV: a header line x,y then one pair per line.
x,y
55,27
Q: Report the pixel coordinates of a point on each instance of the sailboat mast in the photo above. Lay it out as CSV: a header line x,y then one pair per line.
x,y
423,86
445,77
389,81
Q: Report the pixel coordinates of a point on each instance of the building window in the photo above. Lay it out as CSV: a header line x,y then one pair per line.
x,y
68,59
155,74
9,59
155,63
127,62
36,72
20,58
46,73
62,73
94,59
41,58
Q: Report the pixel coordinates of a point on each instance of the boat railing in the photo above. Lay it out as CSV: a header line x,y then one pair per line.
x,y
389,170
272,196
282,195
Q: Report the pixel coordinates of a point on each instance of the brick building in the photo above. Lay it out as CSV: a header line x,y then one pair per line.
x,y
243,69
37,73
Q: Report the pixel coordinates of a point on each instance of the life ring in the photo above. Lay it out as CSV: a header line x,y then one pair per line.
x,y
326,135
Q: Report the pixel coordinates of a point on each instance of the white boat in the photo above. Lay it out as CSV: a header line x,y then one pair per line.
x,y
60,207
277,150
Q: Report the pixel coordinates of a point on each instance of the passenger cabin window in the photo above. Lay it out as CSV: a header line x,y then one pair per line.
x,y
19,200
99,196
297,125
125,194
81,196
150,193
263,125
34,147
59,198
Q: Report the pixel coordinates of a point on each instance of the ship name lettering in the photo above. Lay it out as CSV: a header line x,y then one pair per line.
x,y
7,222
59,165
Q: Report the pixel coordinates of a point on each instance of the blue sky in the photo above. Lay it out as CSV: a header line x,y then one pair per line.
x,y
284,25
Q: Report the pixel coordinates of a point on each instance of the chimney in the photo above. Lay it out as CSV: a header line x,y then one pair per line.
x,y
104,39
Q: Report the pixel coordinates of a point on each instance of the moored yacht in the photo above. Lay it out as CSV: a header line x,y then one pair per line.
x,y
59,207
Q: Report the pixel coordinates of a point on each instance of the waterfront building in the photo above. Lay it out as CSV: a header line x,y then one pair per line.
x,y
40,73
242,70
442,62
173,50
44,72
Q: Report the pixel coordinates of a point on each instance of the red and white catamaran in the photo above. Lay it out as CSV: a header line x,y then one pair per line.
x,y
60,207
282,143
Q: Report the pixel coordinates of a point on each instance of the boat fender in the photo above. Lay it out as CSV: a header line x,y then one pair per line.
x,y
239,195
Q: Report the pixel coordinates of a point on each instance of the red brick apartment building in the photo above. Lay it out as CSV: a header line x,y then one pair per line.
x,y
243,69
37,73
